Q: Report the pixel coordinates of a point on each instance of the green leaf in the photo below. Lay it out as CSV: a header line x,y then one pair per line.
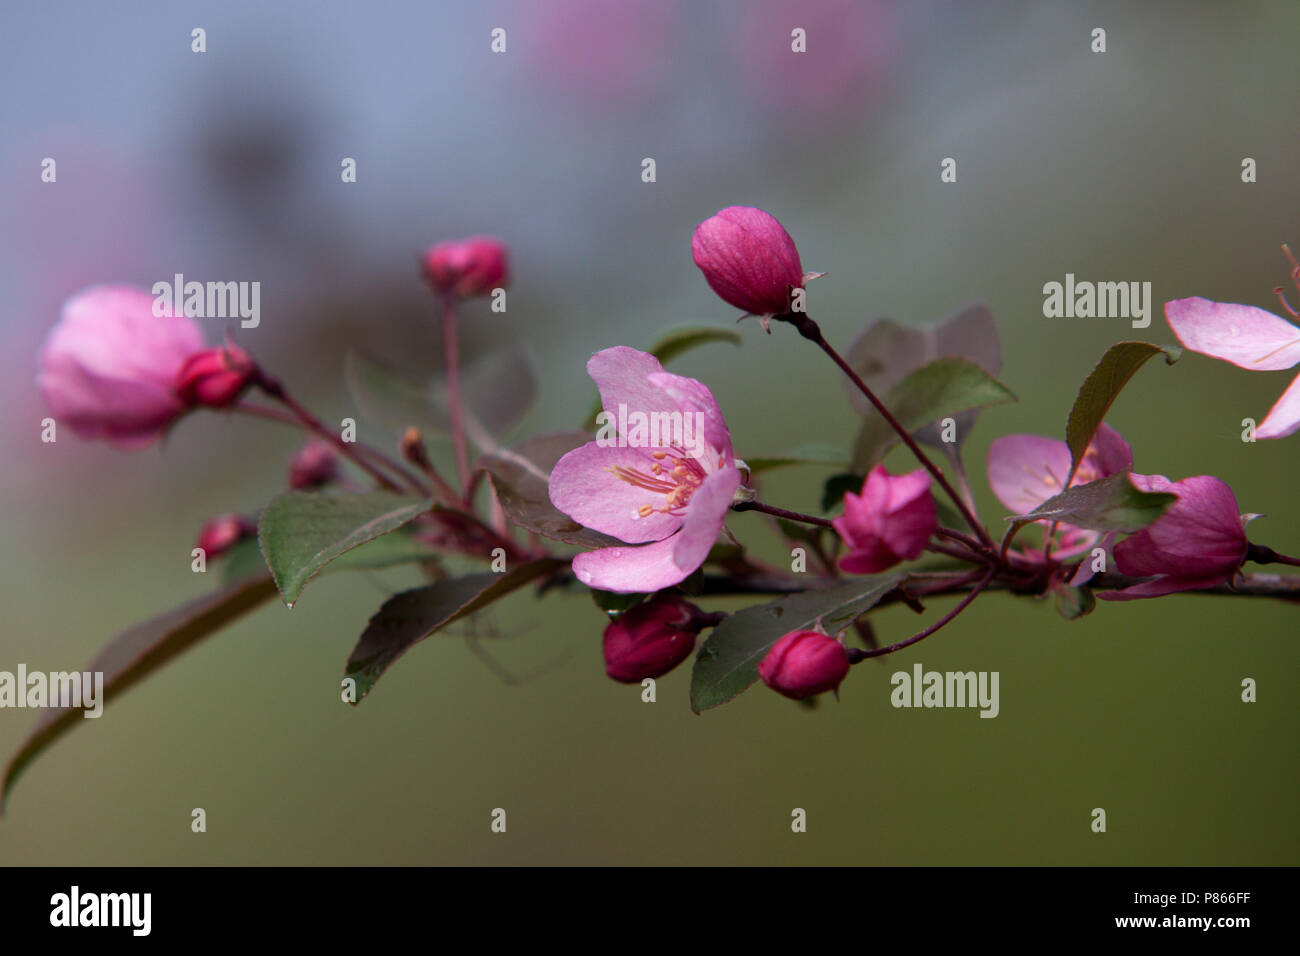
x,y
835,488
615,604
887,352
809,534
407,618
1100,389
135,653
727,663
390,551
521,478
1107,504
1073,603
939,390
677,342
803,455
302,531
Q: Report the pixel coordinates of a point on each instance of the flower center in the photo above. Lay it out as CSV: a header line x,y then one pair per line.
x,y
672,473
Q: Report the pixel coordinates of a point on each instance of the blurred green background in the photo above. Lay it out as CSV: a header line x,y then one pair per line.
x,y
1116,166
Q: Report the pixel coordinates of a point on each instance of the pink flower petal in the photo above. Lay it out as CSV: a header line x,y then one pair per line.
x,y
1111,451
905,489
1159,587
652,567
1284,417
584,489
623,376
705,517
872,558
1026,470
693,396
113,332
1241,334
1200,536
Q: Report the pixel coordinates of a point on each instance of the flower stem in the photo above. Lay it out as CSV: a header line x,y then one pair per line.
x,y
276,390
811,331
455,410
780,513
859,655
1263,555
413,450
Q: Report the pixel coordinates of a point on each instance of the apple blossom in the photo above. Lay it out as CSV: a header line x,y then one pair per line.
x,y
1249,338
890,521
1198,543
1026,470
108,368
666,502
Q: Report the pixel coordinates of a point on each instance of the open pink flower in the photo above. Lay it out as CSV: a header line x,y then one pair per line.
x,y
1026,470
667,499
108,368
891,521
1249,338
1198,543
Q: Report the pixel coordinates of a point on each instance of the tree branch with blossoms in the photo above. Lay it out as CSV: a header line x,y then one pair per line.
x,y
634,508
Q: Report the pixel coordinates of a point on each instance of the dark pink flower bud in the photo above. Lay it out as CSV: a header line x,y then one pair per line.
x,y
804,663
215,377
651,639
223,532
891,521
315,464
466,267
108,368
1198,543
748,259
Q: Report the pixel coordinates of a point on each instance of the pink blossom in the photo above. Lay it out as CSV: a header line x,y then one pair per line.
x,y
466,267
1026,470
650,639
108,368
804,663
891,521
1249,338
748,259
1198,543
665,500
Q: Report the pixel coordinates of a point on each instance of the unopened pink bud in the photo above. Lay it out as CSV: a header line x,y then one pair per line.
x,y
215,377
223,532
466,267
804,663
651,639
748,259
315,464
